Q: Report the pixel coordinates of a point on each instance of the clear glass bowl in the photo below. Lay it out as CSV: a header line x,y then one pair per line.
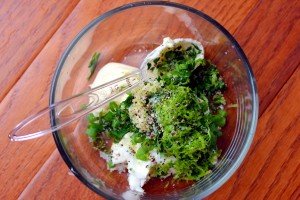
x,y
126,35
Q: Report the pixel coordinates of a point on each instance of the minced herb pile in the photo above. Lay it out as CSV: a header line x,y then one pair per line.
x,y
178,115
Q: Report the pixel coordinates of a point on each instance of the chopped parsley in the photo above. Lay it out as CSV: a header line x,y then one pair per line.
x,y
185,116
93,64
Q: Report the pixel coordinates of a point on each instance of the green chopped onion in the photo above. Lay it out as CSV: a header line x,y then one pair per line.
x,y
93,64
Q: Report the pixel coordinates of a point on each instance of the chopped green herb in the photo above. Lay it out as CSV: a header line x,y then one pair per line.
x,y
92,131
218,99
115,123
183,111
83,107
110,164
148,66
141,154
93,64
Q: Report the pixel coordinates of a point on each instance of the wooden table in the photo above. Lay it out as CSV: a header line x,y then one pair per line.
x,y
33,36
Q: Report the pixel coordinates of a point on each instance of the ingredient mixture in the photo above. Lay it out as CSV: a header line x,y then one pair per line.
x,y
169,125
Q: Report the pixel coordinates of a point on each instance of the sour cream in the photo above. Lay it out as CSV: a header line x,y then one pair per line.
x,y
138,170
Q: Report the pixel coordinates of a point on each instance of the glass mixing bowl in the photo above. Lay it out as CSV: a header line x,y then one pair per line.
x,y
126,35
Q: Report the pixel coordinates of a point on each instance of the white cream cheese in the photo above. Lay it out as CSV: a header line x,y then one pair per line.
x,y
138,170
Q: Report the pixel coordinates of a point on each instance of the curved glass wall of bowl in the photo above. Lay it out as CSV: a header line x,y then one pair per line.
x,y
126,35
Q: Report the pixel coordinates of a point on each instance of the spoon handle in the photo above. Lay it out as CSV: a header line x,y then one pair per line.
x,y
69,110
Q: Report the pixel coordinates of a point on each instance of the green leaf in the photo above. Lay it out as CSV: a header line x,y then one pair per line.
x,y
219,120
110,164
115,123
91,117
222,113
137,138
218,99
92,132
128,101
141,154
118,133
148,145
93,64
109,116
113,106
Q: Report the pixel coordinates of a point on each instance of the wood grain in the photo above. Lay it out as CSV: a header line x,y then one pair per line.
x,y
270,38
30,94
34,35
55,178
26,26
271,168
229,14
37,185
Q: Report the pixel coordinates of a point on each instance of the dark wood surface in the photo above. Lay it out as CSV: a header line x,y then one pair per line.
x,y
34,35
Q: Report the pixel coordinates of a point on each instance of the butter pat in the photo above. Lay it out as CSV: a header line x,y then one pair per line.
x,y
124,152
109,72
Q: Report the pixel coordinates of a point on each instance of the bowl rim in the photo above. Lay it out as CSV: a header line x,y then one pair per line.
x,y
255,104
